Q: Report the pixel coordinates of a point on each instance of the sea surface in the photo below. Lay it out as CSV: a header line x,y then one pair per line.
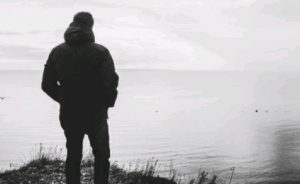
x,y
188,120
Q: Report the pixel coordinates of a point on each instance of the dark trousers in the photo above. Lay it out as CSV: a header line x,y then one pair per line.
x,y
95,126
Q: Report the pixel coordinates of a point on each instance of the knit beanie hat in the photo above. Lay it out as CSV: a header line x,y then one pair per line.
x,y
84,18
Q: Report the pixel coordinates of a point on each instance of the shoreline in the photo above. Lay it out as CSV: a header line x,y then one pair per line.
x,y
48,167
46,171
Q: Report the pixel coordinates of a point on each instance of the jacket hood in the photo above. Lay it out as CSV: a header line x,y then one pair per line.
x,y
78,34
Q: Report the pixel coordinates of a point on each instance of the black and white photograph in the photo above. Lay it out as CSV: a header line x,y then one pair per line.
x,y
150,92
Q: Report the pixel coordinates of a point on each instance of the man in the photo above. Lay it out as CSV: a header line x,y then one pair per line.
x,y
80,76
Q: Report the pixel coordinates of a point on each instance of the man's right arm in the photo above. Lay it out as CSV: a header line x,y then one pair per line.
x,y
49,81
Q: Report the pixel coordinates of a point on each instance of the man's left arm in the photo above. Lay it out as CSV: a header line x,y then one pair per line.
x,y
110,78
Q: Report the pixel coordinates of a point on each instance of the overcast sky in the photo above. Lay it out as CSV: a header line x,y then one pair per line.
x,y
164,34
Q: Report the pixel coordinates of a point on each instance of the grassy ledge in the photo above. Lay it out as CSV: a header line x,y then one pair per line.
x,y
48,168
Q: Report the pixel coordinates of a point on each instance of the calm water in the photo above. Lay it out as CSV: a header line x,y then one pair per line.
x,y
198,120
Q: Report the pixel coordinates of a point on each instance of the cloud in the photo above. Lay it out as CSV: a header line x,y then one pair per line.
x,y
207,34
248,34
7,33
37,31
287,10
18,52
283,59
63,3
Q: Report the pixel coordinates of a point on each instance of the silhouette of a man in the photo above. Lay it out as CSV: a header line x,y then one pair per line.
x,y
80,76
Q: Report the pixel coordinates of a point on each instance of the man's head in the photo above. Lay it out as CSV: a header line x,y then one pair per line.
x,y
84,18
80,30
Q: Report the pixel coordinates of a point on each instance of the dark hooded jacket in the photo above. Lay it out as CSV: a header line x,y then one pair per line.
x,y
80,74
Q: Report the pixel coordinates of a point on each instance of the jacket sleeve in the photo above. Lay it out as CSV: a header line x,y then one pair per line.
x,y
111,78
49,82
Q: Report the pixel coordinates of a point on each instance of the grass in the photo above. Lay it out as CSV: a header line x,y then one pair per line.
x,y
47,167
